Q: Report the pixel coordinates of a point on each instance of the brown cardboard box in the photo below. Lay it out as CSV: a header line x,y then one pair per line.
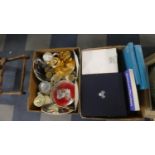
x,y
143,95
33,84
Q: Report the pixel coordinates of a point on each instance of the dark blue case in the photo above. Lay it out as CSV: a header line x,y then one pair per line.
x,y
103,95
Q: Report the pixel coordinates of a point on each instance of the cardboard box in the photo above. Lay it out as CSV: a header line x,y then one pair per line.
x,y
33,83
143,95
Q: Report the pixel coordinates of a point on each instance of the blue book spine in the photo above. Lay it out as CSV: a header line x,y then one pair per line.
x,y
130,61
142,68
130,92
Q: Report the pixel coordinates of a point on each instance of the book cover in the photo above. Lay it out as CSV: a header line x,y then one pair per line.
x,y
132,90
103,95
142,68
130,61
95,61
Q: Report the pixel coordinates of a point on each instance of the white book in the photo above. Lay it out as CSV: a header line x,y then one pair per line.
x,y
132,90
99,61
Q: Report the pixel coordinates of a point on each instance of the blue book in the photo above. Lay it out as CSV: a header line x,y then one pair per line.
x,y
130,61
142,68
132,90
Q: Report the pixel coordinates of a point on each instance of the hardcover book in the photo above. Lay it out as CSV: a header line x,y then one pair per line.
x,y
130,61
144,84
95,61
132,90
103,95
